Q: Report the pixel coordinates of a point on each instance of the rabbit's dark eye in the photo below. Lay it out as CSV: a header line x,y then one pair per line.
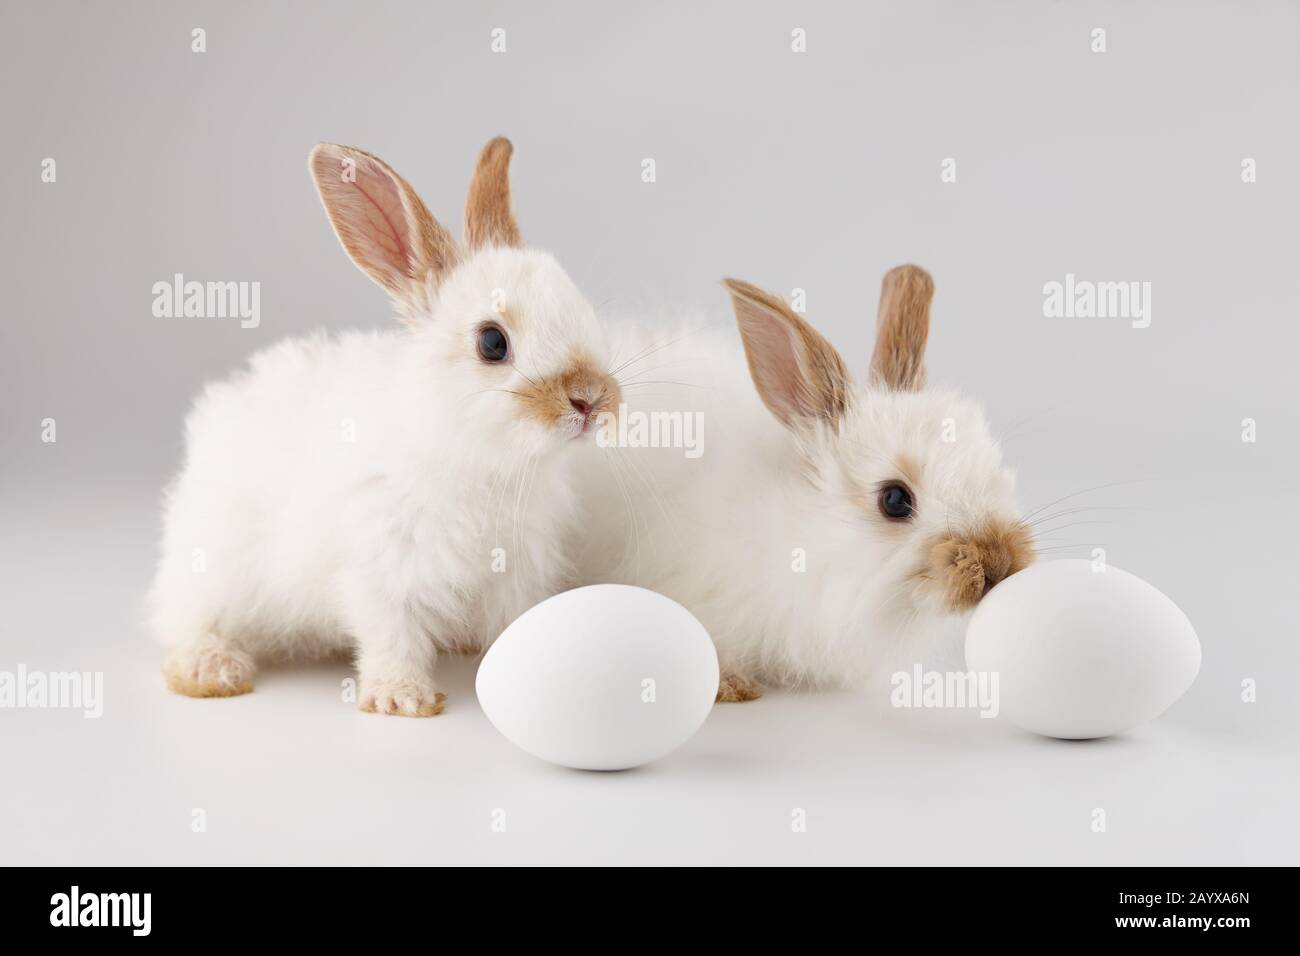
x,y
895,502
493,346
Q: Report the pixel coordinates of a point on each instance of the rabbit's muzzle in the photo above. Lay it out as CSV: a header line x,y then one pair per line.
x,y
968,565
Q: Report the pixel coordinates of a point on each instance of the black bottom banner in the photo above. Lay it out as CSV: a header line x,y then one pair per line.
x,y
1151,905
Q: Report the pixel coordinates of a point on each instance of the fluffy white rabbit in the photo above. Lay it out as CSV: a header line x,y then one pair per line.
x,y
817,521
394,493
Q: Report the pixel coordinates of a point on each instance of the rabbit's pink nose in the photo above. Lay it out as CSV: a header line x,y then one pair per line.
x,y
583,408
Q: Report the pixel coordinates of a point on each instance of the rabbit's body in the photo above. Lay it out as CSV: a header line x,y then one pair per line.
x,y
306,497
743,536
773,536
395,494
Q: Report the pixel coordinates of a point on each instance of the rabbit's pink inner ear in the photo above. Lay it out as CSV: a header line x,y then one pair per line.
x,y
489,220
798,374
381,222
902,329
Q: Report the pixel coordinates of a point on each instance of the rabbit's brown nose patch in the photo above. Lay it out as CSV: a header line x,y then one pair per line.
x,y
554,398
969,565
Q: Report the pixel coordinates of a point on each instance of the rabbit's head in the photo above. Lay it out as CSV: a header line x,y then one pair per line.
x,y
500,331
911,491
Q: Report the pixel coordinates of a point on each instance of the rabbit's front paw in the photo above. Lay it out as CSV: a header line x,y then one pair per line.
x,y
733,689
401,698
208,668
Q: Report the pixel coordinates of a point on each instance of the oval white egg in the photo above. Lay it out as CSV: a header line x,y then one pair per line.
x,y
1081,653
604,677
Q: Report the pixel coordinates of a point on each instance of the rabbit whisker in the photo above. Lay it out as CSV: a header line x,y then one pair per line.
x,y
647,352
1112,484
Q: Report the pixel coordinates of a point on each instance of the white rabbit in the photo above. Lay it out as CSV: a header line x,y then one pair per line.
x,y
810,534
394,493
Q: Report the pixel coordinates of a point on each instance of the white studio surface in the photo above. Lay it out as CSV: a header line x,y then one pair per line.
x,y
293,773
1082,650
605,677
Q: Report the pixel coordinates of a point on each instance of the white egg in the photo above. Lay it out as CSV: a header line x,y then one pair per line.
x,y
604,677
1082,653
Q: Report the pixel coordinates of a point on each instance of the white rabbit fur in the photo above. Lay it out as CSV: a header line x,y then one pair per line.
x,y
350,493
726,534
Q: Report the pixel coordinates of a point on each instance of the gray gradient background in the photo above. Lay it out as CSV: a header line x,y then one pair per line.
x,y
817,171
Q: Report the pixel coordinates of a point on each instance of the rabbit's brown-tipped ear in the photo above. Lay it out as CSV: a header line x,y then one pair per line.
x,y
382,224
799,376
488,219
902,328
